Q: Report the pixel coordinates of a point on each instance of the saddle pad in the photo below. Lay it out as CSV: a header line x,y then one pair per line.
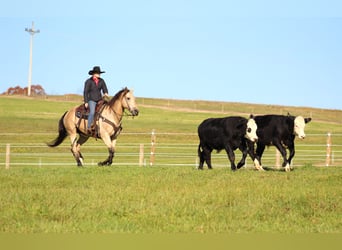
x,y
82,112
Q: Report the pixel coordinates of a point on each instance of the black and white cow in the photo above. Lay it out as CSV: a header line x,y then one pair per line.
x,y
227,133
279,131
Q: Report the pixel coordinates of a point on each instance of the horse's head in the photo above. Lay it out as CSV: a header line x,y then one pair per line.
x,y
128,102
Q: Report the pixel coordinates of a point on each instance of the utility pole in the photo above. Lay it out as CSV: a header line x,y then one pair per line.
x,y
31,31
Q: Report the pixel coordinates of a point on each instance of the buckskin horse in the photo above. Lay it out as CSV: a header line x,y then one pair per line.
x,y
108,121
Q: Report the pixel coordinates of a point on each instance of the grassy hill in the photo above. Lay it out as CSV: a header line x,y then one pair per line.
x,y
54,106
34,120
44,192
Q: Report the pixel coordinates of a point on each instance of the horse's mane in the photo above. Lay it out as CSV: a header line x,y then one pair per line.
x,y
117,96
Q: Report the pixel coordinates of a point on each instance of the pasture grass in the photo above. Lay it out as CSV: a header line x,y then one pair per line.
x,y
175,199
169,200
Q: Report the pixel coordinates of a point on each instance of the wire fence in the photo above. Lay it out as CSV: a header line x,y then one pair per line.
x,y
161,149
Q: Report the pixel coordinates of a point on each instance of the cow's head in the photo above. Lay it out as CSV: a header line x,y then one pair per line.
x,y
299,126
251,129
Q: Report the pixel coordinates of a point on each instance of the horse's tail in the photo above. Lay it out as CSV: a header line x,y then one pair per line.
x,y
62,133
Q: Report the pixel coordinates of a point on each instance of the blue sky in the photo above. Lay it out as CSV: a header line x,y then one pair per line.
x,y
268,52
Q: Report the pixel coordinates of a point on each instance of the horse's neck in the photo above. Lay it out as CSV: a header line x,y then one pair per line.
x,y
117,111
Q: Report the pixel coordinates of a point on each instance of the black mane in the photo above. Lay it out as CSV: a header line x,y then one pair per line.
x,y
117,96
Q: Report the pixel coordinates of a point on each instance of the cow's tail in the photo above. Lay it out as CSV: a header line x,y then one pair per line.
x,y
199,151
62,133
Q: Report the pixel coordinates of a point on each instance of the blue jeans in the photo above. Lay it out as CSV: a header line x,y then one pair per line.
x,y
91,105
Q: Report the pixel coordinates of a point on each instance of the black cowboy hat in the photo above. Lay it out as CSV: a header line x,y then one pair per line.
x,y
96,69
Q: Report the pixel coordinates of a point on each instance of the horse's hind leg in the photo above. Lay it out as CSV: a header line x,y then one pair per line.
x,y
76,148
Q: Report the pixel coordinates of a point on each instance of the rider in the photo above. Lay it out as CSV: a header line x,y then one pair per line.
x,y
92,93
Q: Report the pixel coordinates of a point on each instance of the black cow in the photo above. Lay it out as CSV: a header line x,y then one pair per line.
x,y
227,133
279,131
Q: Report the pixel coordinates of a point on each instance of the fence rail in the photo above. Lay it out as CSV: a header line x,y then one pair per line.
x,y
161,149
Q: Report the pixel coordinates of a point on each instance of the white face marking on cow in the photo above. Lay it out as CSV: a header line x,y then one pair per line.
x,y
251,130
299,126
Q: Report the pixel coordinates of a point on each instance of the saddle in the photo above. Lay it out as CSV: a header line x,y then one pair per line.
x,y
82,112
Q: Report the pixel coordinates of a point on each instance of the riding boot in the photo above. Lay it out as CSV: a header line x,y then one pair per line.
x,y
93,126
89,131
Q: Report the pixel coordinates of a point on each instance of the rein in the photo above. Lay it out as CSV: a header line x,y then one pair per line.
x,y
124,113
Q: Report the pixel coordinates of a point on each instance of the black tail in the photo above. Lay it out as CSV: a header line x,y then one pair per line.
x,y
199,151
62,133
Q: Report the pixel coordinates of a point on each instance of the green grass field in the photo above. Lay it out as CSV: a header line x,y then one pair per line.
x,y
167,197
169,200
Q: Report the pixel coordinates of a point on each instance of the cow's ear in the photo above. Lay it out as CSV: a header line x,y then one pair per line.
x,y
307,120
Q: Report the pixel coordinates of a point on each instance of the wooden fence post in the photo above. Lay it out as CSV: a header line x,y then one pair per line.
x,y
8,155
328,156
141,155
153,147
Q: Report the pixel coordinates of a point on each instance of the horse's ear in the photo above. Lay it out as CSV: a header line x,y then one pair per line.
x,y
251,116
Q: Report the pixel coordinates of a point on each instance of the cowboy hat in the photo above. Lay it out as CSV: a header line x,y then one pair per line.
x,y
96,69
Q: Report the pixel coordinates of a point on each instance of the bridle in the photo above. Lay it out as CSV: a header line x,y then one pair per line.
x,y
118,116
124,113
129,108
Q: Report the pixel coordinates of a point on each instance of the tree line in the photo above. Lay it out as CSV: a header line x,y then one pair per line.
x,y
36,90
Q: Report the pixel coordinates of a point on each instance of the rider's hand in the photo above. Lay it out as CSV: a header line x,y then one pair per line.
x,y
86,105
106,97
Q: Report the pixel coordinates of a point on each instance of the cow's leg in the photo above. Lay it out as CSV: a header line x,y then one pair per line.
x,y
251,150
258,154
291,148
201,157
243,149
231,157
282,151
207,156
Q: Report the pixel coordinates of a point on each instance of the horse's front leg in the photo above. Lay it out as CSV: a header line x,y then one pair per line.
x,y
111,150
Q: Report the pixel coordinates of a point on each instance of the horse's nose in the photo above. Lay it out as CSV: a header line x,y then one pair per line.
x,y
135,112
